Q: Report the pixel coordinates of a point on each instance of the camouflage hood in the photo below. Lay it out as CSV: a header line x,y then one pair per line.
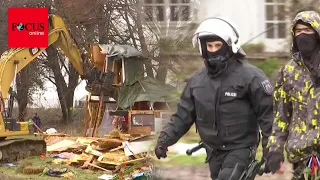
x,y
310,17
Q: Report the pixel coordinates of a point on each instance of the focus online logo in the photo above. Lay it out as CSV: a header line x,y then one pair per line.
x,y
32,28
29,25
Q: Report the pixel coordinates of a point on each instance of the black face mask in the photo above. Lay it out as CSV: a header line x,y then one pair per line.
x,y
306,44
218,59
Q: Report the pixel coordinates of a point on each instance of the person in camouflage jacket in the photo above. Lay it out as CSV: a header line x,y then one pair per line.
x,y
297,98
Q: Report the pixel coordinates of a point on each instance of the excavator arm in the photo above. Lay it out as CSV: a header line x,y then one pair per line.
x,y
20,57
13,60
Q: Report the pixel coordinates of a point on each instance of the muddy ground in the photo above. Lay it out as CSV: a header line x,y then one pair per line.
x,y
202,173
194,173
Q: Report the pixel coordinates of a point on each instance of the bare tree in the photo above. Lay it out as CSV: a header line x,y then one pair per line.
x,y
63,76
28,81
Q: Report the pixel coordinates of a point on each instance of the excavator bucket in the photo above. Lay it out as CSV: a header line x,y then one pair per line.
x,y
102,76
97,57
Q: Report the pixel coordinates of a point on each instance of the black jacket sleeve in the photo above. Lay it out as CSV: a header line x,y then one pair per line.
x,y
262,102
181,121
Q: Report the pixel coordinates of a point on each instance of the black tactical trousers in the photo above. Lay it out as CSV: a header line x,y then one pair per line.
x,y
223,163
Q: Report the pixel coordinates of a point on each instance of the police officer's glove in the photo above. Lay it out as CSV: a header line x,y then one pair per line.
x,y
265,153
274,161
161,148
161,151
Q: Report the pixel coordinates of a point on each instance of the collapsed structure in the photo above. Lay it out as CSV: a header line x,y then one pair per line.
x,y
138,103
120,116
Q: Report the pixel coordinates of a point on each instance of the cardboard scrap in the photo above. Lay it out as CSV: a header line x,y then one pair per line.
x,y
89,150
60,146
131,148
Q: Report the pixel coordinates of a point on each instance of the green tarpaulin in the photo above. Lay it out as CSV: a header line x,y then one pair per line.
x,y
137,87
146,89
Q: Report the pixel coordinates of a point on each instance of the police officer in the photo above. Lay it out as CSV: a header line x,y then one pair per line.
x,y
227,100
296,100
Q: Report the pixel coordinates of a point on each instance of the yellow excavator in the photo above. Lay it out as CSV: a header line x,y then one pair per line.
x,y
11,62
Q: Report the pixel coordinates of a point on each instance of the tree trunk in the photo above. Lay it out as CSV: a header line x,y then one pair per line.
x,y
104,26
162,70
65,92
22,93
142,40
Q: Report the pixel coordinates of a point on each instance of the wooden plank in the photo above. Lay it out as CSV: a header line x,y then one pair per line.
x,y
121,173
116,72
146,130
97,57
87,113
99,118
133,161
95,111
35,125
141,112
116,149
129,121
110,162
96,166
64,144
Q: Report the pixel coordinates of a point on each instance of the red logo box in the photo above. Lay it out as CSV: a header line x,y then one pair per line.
x,y
27,27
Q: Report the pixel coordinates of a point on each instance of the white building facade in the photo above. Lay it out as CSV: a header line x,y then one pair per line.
x,y
258,21
264,21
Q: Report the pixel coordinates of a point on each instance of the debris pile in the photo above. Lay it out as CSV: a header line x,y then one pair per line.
x,y
119,155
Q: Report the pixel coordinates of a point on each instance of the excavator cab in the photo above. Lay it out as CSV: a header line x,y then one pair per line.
x,y
10,123
15,148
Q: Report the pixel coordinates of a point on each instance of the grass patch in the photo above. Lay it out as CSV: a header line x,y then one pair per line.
x,y
181,160
188,160
185,160
15,172
268,66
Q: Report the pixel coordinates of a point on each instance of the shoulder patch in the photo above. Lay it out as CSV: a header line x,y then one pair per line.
x,y
267,87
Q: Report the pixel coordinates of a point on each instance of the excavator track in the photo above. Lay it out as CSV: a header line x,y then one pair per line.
x,y
13,150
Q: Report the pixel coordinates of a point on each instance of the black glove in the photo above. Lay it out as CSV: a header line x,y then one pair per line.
x,y
273,161
161,151
161,148
265,153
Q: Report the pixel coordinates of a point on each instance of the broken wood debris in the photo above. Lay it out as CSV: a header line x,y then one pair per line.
x,y
111,153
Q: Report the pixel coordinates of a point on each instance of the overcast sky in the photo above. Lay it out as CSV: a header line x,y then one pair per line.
x,y
49,98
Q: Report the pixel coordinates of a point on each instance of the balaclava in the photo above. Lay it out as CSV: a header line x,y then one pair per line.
x,y
216,62
307,43
309,47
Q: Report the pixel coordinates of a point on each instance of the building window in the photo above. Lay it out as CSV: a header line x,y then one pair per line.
x,y
179,10
275,19
155,10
